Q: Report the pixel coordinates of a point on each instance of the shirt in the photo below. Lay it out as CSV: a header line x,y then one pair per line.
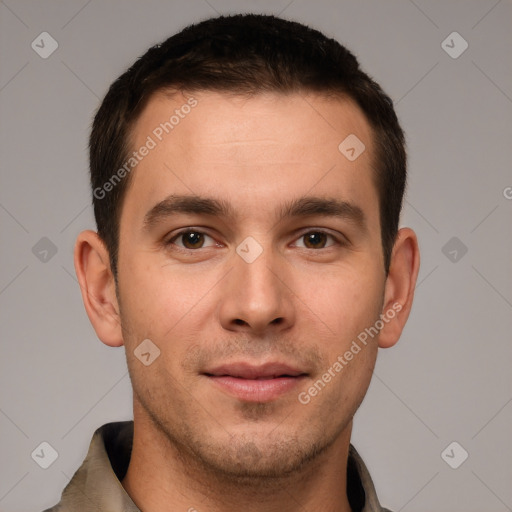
x,y
96,485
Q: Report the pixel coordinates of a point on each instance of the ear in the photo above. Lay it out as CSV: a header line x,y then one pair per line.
x,y
400,285
92,266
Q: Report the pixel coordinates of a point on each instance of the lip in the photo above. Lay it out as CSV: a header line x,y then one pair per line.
x,y
256,383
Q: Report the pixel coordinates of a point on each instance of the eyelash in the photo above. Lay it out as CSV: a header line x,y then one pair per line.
x,y
170,241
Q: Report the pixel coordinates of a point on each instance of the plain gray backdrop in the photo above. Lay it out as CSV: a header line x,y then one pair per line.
x,y
447,380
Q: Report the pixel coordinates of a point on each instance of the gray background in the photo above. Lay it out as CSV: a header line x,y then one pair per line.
x,y
449,377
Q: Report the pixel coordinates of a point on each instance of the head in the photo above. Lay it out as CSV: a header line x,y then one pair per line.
x,y
291,260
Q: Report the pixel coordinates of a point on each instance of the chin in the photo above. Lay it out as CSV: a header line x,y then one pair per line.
x,y
246,458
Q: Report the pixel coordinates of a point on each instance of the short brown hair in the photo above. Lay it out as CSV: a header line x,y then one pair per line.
x,y
243,54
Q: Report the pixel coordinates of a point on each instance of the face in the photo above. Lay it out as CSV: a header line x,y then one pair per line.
x,y
250,255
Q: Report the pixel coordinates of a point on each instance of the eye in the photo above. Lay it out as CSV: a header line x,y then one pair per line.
x,y
193,239
190,239
316,239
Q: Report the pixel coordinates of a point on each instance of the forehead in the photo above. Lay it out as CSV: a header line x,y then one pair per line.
x,y
265,147
285,121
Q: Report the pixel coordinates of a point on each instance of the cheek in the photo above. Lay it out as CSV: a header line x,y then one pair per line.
x,y
158,300
352,305
346,301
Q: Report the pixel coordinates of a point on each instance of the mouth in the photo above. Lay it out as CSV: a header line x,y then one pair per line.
x,y
255,383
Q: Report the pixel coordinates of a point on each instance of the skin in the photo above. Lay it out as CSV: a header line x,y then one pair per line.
x,y
300,303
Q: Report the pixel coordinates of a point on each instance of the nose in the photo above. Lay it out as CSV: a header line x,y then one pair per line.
x,y
256,297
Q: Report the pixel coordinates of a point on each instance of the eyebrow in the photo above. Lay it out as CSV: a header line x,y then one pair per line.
x,y
306,206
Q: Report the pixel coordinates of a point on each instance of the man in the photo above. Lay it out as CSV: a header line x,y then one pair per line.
x,y
247,183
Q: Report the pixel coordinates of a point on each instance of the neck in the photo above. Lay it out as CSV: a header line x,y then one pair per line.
x,y
161,474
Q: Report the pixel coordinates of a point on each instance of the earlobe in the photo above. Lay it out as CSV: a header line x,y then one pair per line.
x,y
400,285
97,285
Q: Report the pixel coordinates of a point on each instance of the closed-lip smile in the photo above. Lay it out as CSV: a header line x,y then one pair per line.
x,y
255,383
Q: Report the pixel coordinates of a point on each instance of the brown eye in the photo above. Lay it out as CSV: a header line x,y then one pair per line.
x,y
316,240
190,240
